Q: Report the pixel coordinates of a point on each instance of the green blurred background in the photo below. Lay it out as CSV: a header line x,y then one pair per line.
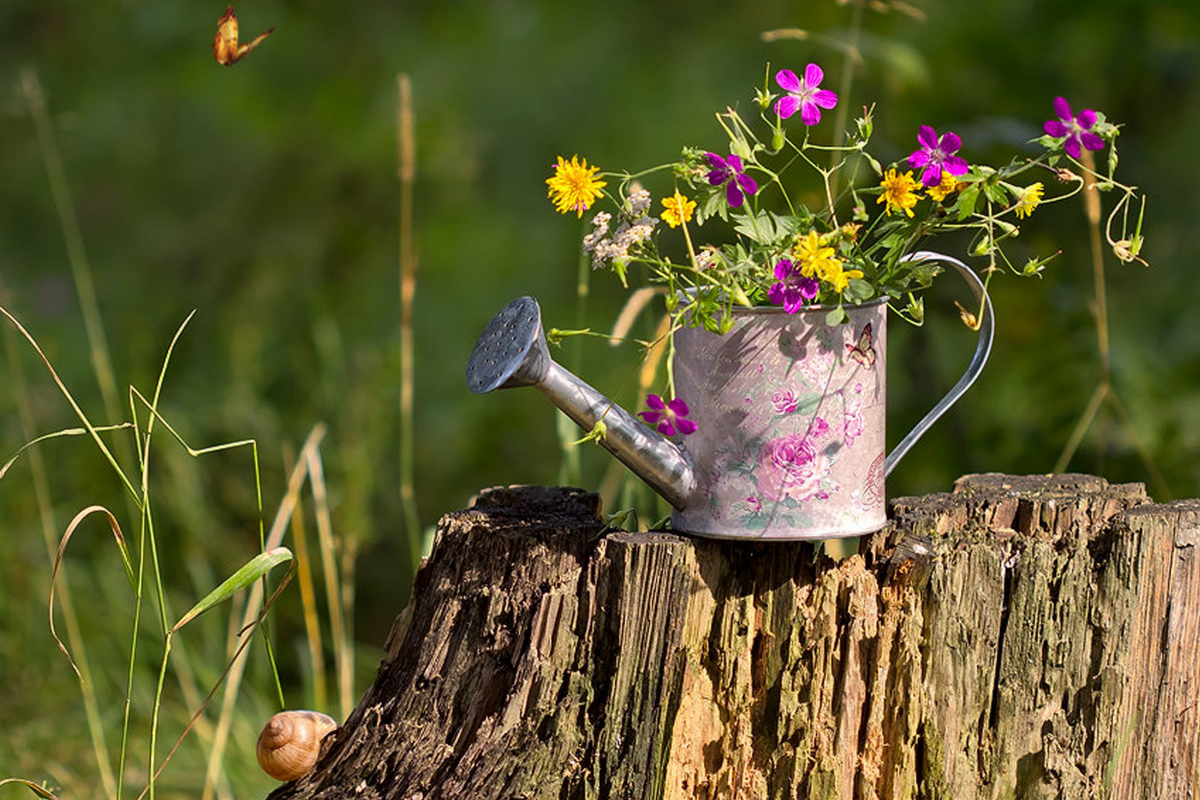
x,y
265,197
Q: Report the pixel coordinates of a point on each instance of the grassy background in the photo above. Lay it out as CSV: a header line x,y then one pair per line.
x,y
265,197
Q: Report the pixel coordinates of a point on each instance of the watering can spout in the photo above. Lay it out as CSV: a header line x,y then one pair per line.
x,y
512,352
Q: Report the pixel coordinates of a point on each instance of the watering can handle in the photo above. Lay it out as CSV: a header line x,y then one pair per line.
x,y
982,350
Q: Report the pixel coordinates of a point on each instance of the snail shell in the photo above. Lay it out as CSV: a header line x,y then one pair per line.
x,y
291,741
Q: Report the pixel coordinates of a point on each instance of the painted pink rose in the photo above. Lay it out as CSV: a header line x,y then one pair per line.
x,y
789,466
852,423
784,401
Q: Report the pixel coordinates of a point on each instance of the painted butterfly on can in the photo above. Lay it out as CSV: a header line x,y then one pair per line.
x,y
225,43
864,351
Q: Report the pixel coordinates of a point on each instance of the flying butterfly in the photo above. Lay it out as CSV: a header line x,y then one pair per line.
x,y
225,43
864,351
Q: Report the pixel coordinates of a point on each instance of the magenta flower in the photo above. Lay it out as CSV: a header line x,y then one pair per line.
x,y
1076,129
792,288
803,95
730,171
937,155
668,417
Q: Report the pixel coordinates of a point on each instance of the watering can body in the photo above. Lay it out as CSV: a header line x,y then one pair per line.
x,y
790,415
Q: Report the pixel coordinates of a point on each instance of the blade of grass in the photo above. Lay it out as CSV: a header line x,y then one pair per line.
x,y
308,602
250,572
274,538
92,430
81,271
45,506
406,141
337,622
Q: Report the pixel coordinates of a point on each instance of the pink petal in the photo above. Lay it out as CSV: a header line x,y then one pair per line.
x,y
927,137
1091,141
1086,118
813,76
787,106
809,113
825,98
655,402
955,165
788,81
950,142
679,406
686,426
1063,109
918,159
1055,128
651,417
666,428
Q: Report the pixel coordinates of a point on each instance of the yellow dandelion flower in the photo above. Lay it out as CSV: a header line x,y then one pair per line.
x,y
677,210
814,257
947,187
574,185
899,192
1029,200
839,279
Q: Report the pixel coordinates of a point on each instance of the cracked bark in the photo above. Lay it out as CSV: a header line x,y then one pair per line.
x,y
1044,645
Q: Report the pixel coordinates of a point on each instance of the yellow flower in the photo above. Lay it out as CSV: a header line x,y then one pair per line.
x,y
1028,200
947,187
574,185
813,257
677,210
898,192
839,278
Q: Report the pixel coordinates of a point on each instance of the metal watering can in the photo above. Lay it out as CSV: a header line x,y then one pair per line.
x,y
790,415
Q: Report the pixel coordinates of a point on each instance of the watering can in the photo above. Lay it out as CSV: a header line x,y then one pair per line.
x,y
789,411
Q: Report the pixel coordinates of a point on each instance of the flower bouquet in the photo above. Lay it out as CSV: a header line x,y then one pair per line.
x,y
852,246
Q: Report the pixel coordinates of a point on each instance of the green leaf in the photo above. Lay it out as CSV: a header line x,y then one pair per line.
x,y
835,316
250,572
858,291
965,206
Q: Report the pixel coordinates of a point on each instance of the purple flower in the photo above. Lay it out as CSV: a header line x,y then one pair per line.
x,y
937,155
667,417
792,288
730,171
803,95
1076,129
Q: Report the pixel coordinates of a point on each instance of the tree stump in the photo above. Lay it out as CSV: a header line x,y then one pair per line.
x,y
1022,637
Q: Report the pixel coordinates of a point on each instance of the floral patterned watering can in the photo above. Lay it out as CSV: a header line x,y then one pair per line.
x,y
789,411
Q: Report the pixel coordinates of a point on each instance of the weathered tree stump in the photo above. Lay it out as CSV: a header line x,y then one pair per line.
x,y
1023,637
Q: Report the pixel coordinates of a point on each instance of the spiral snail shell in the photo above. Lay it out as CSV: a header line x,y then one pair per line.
x,y
291,741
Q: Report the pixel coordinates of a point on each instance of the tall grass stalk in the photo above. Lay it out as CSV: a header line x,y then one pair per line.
x,y
308,600
81,271
146,568
1105,394
254,605
407,166
339,630
49,527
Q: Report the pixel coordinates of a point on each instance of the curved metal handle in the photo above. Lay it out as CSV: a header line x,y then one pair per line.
x,y
982,350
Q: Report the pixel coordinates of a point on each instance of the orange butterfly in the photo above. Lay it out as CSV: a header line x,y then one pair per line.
x,y
225,44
